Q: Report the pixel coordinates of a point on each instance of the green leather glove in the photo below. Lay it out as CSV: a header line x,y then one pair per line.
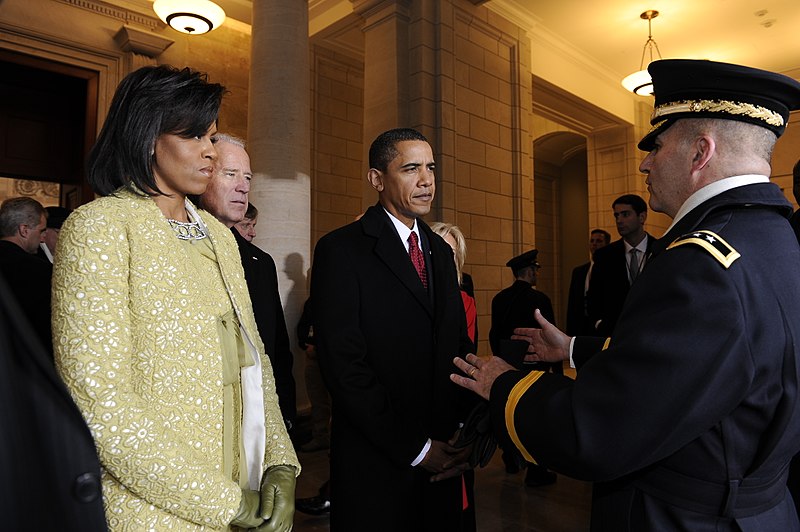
x,y
277,499
248,515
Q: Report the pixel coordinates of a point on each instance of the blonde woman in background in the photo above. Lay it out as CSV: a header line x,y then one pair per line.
x,y
455,238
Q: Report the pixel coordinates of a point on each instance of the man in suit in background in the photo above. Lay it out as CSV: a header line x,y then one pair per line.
x,y
247,226
226,199
577,317
385,298
23,221
617,265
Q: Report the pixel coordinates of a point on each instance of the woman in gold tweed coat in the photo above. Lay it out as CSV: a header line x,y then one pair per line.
x,y
154,330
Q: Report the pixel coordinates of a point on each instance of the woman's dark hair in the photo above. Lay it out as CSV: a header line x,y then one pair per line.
x,y
383,150
149,102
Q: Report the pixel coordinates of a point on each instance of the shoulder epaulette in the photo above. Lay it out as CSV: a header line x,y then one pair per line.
x,y
711,242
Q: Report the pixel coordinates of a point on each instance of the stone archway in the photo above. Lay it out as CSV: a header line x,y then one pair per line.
x,y
561,203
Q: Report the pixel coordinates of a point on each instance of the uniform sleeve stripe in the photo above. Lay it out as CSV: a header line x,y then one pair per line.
x,y
516,394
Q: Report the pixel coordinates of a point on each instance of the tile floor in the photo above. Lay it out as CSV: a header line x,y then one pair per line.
x,y
503,502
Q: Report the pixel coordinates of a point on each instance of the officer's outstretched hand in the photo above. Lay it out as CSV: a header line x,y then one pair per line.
x,y
547,344
480,373
277,499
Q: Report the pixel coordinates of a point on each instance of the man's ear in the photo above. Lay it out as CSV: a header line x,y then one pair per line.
x,y
704,148
23,230
375,178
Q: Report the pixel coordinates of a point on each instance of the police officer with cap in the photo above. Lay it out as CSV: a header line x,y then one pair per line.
x,y
514,307
687,417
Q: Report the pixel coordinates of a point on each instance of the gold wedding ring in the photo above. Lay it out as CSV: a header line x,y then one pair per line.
x,y
472,371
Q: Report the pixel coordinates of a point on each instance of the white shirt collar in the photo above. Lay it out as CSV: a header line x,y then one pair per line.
x,y
403,230
714,189
641,246
46,251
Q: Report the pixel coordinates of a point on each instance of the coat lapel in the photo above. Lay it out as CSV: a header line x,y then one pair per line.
x,y
391,251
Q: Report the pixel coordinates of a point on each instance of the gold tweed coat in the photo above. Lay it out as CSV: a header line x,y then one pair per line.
x,y
136,342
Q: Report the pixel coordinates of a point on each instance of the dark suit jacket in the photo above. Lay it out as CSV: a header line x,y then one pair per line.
x,y
262,283
577,318
385,348
609,285
29,278
795,221
48,464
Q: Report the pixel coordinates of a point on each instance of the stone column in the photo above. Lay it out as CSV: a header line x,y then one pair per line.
x,y
278,131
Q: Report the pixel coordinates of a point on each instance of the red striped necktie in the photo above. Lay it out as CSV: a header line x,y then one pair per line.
x,y
417,258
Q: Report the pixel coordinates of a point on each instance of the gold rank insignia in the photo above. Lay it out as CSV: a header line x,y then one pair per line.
x,y
711,242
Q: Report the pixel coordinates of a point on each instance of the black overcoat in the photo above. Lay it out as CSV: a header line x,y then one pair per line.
x,y
29,280
688,420
577,318
262,284
609,285
385,348
49,468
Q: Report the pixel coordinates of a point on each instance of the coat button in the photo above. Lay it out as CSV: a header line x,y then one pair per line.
x,y
87,487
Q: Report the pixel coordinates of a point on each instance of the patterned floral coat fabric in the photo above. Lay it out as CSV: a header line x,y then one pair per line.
x,y
136,341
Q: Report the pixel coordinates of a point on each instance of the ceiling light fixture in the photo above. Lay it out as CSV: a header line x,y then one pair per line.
x,y
194,17
640,82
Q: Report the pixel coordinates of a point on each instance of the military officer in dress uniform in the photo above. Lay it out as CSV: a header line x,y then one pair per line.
x,y
687,417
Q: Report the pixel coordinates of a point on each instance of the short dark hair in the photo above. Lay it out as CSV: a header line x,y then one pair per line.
x,y
251,213
383,151
519,272
18,211
606,234
149,102
638,204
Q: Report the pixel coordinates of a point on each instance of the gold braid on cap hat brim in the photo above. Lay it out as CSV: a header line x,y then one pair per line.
x,y
718,106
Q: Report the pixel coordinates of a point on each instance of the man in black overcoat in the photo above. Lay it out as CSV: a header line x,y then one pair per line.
x,y
22,226
48,464
227,198
688,416
386,332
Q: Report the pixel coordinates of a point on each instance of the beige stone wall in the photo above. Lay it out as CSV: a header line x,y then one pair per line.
x,y
224,54
488,189
336,140
786,156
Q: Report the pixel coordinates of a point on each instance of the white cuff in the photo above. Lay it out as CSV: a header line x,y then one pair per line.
x,y
421,455
571,345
